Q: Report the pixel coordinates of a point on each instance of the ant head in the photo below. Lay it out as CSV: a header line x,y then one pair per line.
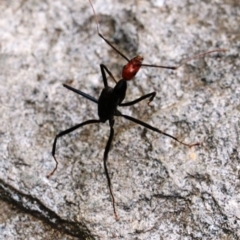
x,y
131,68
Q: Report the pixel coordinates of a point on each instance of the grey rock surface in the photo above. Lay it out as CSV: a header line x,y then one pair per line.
x,y
163,190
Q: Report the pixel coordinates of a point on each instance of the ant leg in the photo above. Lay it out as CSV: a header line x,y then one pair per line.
x,y
111,123
151,96
81,93
156,130
64,133
103,69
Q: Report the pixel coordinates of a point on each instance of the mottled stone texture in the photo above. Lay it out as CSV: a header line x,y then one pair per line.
x,y
163,190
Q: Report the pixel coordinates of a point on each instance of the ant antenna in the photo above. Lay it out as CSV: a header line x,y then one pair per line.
x,y
100,35
133,66
187,59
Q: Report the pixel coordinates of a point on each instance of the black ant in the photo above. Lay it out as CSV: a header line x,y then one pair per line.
x,y
130,70
110,99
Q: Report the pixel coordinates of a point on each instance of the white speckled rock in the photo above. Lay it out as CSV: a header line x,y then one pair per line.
x,y
163,190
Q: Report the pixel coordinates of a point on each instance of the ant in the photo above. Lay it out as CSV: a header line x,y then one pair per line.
x,y
130,70
112,98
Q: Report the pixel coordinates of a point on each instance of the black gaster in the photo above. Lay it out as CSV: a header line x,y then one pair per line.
x,y
109,99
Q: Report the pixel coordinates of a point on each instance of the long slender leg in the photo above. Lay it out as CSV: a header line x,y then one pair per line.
x,y
103,69
107,148
151,96
64,133
81,93
156,130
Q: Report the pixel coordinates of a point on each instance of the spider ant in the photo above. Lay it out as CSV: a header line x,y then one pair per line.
x,y
112,98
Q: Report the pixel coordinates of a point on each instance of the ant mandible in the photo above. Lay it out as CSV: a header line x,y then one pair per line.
x,y
110,99
130,70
